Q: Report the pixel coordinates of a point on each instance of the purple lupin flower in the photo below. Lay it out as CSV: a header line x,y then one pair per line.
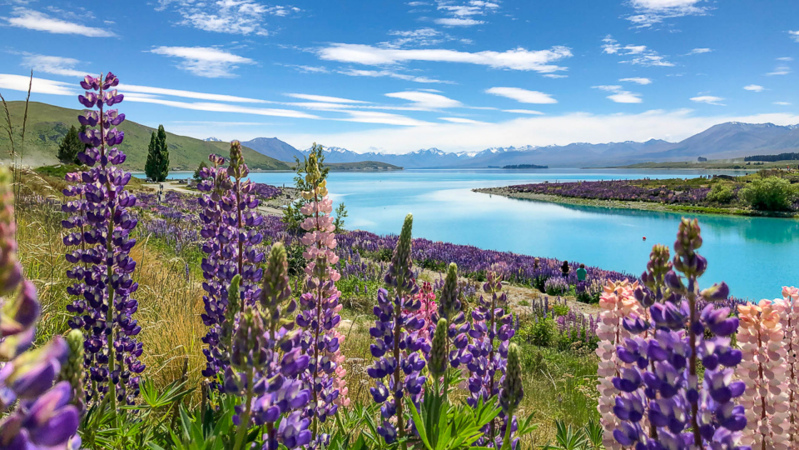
x,y
228,226
396,346
661,402
449,308
103,267
42,416
319,303
266,360
486,357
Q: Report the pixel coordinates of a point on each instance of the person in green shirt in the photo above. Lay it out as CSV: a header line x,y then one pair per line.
x,y
582,273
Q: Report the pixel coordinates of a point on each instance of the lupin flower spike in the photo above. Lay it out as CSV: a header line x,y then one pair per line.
x,y
267,360
229,223
319,304
42,416
766,398
99,230
72,371
660,401
450,309
486,357
437,364
397,346
512,391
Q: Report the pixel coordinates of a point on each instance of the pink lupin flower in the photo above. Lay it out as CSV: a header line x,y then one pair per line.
x,y
764,371
616,303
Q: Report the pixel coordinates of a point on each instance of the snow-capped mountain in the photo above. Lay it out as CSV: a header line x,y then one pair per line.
x,y
726,140
212,139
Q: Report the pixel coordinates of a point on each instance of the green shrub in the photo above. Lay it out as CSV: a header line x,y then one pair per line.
x,y
769,194
560,309
721,193
542,333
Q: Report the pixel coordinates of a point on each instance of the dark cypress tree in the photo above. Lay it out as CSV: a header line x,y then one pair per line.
x,y
70,146
157,166
163,160
152,156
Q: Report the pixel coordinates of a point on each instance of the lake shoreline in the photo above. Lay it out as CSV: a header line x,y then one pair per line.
x,y
620,204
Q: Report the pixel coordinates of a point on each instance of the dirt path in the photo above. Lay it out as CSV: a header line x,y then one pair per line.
x,y
519,294
272,207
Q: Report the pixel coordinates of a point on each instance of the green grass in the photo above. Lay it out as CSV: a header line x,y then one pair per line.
x,y
47,125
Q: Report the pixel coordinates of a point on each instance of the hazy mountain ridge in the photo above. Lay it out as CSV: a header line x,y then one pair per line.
x,y
722,141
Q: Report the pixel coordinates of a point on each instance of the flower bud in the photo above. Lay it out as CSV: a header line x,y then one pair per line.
x,y
512,390
72,370
438,355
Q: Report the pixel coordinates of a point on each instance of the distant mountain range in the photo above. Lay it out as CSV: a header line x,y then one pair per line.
x,y
275,148
47,125
724,141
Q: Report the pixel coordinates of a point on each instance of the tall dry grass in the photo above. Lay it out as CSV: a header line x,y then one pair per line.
x,y
170,300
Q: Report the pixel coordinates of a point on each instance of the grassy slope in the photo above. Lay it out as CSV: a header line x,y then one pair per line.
x,y
713,164
47,125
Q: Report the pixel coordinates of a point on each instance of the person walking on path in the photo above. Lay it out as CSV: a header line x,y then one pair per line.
x,y
582,274
564,269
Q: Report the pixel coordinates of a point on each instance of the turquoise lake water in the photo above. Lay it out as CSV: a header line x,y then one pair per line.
x,y
755,256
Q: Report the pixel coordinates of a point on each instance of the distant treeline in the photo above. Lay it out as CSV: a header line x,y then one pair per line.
x,y
524,166
772,158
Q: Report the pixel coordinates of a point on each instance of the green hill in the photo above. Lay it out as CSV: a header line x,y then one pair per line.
x,y
47,125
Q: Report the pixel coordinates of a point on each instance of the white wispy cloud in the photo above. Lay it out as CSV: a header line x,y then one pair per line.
x,y
38,21
619,95
783,103
323,98
794,35
382,118
206,62
39,85
426,100
458,22
461,14
780,70
754,88
421,37
517,59
187,94
637,80
522,95
460,120
55,65
390,74
785,59
699,51
221,107
523,111
709,99
245,17
639,54
651,12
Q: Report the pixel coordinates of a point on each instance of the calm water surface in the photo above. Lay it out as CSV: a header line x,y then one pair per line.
x,y
755,256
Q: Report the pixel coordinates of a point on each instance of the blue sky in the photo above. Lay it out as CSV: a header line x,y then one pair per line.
x,y
396,76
